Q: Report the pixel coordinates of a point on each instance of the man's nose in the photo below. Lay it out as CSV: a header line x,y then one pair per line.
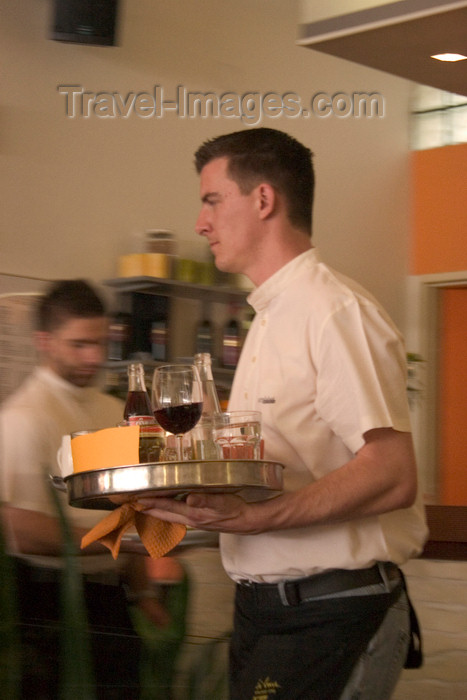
x,y
201,226
94,354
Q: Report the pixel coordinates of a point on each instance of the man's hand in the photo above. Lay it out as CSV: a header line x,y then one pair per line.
x,y
380,478
203,511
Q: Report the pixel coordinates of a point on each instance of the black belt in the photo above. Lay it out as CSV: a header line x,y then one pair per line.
x,y
327,583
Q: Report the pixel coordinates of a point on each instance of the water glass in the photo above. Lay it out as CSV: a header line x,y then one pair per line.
x,y
237,434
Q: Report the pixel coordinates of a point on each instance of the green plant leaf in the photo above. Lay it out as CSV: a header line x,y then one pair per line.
x,y
76,674
10,648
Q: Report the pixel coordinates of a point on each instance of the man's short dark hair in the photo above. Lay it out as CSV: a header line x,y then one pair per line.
x,y
68,299
267,155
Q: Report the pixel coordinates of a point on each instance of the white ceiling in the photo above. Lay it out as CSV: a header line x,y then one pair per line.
x,y
398,38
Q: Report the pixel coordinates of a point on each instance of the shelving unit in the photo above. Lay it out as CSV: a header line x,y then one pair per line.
x,y
175,288
172,290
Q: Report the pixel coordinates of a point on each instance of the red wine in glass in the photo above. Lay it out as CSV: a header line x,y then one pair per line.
x,y
179,419
177,398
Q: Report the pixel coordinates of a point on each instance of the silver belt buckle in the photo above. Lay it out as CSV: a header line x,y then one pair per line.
x,y
282,593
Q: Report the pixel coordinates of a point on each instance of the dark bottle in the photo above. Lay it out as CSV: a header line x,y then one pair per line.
x,y
231,341
204,337
138,404
151,442
119,337
159,334
138,411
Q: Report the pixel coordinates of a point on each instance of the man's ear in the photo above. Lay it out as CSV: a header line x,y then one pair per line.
x,y
42,341
266,200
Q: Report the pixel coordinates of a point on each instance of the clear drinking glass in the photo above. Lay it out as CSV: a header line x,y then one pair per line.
x,y
237,434
177,399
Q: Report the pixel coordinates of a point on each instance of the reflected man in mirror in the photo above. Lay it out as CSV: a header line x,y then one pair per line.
x,y
58,398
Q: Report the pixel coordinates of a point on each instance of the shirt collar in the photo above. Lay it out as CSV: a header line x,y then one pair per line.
x,y
51,378
260,297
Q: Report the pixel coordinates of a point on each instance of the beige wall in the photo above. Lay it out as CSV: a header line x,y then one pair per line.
x,y
75,191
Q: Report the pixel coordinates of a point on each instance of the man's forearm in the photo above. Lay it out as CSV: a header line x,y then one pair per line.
x,y
380,478
36,533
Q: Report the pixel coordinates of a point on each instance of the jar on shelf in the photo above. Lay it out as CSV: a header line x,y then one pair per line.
x,y
160,252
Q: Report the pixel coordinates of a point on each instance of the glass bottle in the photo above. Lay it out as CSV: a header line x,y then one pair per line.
x,y
159,336
231,340
204,337
138,404
201,436
138,411
119,337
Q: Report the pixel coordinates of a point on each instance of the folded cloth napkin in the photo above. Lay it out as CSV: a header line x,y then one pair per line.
x,y
158,536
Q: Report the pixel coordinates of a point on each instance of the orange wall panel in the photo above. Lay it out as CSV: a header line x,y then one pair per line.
x,y
439,182
453,393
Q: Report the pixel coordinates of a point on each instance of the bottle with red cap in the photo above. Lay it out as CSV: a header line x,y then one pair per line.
x,y
138,411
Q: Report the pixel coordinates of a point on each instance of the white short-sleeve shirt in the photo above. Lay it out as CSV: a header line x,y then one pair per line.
x,y
32,423
324,364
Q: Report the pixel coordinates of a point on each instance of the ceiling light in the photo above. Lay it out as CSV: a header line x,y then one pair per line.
x,y
449,57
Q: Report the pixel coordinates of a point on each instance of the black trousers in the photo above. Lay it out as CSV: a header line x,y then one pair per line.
x,y
300,652
115,646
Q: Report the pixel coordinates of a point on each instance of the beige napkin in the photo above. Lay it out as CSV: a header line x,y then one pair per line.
x,y
158,536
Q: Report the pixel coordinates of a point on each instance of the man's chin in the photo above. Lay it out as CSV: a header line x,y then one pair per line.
x,y
223,266
83,380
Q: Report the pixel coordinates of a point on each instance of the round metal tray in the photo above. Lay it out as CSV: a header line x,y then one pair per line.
x,y
106,489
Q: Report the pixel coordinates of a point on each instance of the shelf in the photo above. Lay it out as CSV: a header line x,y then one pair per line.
x,y
177,288
121,365
149,288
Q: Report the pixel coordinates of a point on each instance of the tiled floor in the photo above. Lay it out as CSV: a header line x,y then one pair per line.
x,y
439,594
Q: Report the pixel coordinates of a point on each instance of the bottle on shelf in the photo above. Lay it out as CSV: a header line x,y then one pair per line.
x,y
203,445
159,333
119,337
231,340
204,337
138,411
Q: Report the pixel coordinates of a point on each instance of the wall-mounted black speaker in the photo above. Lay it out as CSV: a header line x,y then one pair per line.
x,y
85,21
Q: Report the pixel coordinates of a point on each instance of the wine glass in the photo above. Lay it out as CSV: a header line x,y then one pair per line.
x,y
177,399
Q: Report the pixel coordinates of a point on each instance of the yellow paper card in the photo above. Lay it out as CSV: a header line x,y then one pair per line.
x,y
112,447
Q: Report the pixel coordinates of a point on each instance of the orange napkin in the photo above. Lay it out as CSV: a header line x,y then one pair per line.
x,y
158,536
110,447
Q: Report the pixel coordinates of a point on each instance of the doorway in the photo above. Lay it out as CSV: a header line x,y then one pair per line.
x,y
437,331
452,396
